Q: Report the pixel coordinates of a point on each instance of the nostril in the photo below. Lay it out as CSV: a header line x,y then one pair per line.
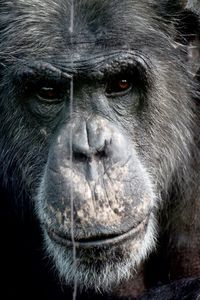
x,y
101,154
87,157
85,154
81,157
104,150
81,151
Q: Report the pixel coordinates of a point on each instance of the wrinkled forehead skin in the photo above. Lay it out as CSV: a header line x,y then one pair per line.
x,y
44,26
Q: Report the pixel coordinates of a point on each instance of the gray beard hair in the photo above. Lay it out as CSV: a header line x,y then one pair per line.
x,y
111,273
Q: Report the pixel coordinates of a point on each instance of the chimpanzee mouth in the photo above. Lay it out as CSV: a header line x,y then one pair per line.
x,y
99,241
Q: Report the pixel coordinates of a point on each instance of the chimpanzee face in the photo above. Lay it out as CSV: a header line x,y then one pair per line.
x,y
99,120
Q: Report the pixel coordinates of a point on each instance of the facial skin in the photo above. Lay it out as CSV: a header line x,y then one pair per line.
x,y
112,192
116,150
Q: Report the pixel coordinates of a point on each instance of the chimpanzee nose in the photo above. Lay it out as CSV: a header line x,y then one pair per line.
x,y
91,138
99,139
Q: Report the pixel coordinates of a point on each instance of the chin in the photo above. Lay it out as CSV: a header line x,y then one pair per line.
x,y
101,265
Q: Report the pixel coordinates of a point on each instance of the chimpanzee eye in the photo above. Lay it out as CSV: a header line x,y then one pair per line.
x,y
118,86
50,94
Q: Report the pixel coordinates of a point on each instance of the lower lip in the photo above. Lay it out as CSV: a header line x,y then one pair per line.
x,y
133,233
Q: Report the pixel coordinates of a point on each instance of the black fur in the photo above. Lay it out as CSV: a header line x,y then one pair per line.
x,y
183,289
136,157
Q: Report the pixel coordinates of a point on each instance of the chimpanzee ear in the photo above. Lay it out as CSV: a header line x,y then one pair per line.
x,y
183,17
187,25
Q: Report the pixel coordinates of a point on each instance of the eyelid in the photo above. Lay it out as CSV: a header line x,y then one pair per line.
x,y
38,72
46,100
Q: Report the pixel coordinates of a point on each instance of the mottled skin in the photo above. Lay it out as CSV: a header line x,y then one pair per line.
x,y
125,150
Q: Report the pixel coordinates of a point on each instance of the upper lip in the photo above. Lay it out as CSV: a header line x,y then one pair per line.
x,y
97,241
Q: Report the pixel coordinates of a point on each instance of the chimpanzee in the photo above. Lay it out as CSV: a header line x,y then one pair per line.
x,y
99,148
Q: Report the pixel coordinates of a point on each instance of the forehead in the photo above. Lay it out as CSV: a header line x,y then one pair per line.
x,y
42,27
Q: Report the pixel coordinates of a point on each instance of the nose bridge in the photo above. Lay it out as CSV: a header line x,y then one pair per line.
x,y
80,142
99,132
